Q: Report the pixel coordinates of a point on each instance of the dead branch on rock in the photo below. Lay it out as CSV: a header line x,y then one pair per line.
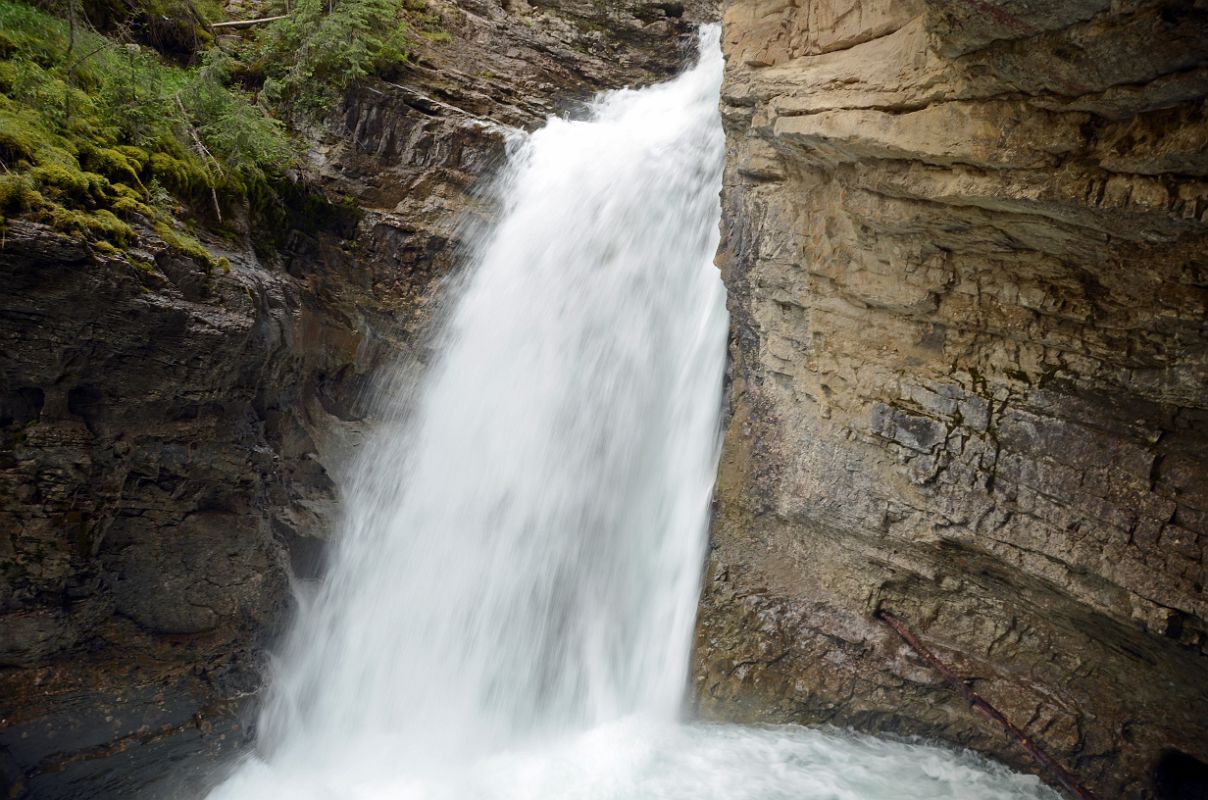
x,y
203,151
246,23
1060,773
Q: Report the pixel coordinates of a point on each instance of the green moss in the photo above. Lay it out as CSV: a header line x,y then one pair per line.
x,y
119,164
183,176
20,130
92,130
143,265
73,187
100,224
183,243
17,194
105,248
128,203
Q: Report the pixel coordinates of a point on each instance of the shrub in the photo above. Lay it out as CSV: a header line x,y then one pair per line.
x,y
310,58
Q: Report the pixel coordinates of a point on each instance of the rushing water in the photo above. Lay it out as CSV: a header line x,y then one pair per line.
x,y
509,605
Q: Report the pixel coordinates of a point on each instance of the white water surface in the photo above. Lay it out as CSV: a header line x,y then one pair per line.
x,y
509,604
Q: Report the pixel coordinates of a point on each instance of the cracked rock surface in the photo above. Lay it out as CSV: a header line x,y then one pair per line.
x,y
966,248
172,435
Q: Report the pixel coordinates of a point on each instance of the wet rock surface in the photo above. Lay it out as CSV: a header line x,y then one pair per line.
x,y
966,248
172,435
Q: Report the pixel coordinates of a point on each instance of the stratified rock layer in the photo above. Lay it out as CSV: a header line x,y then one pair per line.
x,y
966,245
172,434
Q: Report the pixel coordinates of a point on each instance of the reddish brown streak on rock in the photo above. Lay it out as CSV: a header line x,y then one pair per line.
x,y
1063,776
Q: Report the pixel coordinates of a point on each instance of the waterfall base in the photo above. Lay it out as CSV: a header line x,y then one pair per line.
x,y
637,759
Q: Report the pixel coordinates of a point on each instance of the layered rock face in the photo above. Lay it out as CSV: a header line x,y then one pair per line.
x,y
966,245
172,435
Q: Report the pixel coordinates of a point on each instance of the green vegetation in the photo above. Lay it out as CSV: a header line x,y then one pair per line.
x,y
310,58
94,134
125,114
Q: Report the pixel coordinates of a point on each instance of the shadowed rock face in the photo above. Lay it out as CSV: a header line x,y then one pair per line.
x,y
171,436
966,245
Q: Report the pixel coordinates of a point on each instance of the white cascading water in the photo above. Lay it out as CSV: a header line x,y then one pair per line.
x,y
509,605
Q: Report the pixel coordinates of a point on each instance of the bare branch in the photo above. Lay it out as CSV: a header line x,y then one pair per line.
x,y
202,150
1060,773
246,23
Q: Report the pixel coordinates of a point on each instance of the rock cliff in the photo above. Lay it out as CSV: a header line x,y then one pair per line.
x,y
966,247
171,434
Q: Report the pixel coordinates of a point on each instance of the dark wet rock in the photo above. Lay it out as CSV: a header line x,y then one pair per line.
x,y
172,435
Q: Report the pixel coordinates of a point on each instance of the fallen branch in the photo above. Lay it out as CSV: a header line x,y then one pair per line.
x,y
203,151
1063,776
246,23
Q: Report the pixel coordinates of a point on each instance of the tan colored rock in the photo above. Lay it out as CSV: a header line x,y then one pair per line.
x,y
966,251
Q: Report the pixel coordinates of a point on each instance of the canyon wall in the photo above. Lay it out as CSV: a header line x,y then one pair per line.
x,y
172,433
966,248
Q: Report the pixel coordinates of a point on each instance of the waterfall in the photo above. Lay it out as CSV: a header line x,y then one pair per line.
x,y
509,602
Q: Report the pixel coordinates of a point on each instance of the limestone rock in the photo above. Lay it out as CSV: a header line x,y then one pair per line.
x,y
966,247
